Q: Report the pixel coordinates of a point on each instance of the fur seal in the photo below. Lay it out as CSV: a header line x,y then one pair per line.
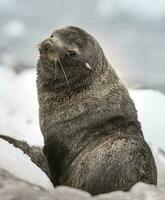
x,y
93,139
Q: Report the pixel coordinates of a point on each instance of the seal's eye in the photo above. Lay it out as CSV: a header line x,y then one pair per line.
x,y
51,36
72,53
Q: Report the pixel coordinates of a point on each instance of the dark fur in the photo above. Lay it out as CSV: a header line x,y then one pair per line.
x,y
93,140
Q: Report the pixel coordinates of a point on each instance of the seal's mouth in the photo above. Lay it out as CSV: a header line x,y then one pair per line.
x,y
43,55
50,54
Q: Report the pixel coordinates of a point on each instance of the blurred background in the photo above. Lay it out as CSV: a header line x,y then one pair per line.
x,y
131,33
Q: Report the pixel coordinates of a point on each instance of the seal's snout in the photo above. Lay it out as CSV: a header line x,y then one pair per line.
x,y
46,45
51,49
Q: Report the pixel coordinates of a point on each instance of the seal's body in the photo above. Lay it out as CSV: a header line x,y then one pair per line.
x,y
93,140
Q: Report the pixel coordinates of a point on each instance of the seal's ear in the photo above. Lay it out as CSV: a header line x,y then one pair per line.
x,y
88,66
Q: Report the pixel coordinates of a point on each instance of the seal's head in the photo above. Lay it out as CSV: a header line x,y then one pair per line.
x,y
70,55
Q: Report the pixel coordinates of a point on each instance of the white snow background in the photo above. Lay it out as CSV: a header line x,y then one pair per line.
x,y
19,119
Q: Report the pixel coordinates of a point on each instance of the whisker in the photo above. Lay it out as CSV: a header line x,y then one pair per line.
x,y
55,68
64,73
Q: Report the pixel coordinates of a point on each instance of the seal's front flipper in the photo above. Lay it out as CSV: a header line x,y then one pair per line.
x,y
34,152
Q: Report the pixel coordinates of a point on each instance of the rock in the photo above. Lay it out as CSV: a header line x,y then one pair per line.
x,y
140,191
143,191
13,188
114,196
63,193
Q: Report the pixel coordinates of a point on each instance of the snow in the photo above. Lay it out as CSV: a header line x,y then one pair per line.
x,y
19,119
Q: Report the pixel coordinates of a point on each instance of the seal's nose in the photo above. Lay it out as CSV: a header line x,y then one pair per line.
x,y
47,45
51,48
